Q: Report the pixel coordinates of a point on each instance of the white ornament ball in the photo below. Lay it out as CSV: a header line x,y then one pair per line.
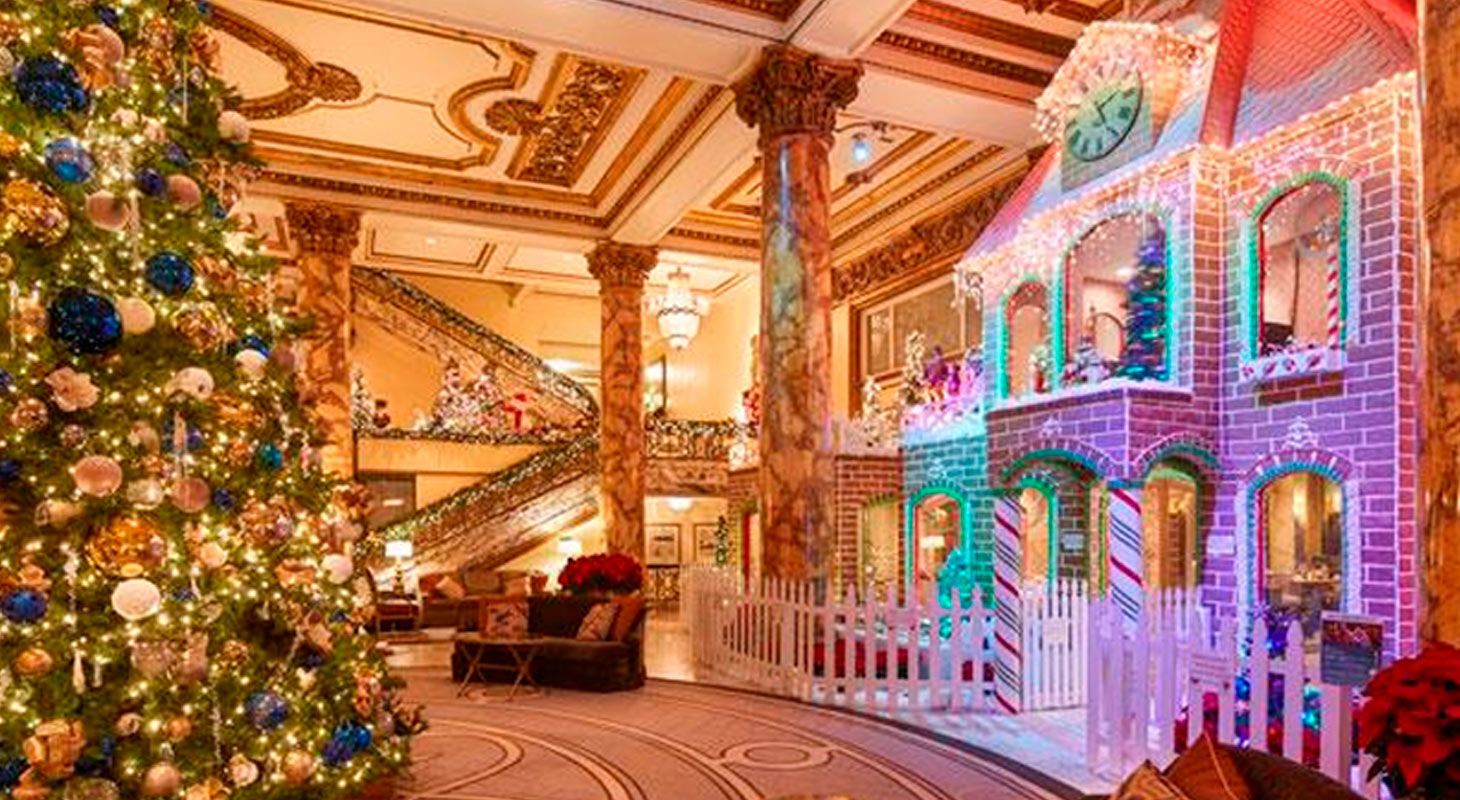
x,y
191,495
241,771
251,363
337,567
97,476
56,512
125,117
212,555
184,192
233,127
155,130
136,599
137,316
195,382
145,493
161,780
107,211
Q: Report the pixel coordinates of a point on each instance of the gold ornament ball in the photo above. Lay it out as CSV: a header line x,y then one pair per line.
x,y
29,415
128,724
202,327
298,766
31,211
127,546
7,265
33,662
161,780
179,728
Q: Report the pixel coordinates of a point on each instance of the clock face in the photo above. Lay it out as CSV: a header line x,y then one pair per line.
x,y
1104,118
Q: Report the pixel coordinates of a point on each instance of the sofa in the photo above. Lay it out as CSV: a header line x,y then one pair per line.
x,y
451,609
564,660
1275,778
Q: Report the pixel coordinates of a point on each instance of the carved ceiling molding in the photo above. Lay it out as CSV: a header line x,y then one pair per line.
x,y
944,235
965,59
994,29
1071,10
844,236
775,9
308,80
560,133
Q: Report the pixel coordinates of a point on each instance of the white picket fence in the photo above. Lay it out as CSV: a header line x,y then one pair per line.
x,y
1155,679
1055,644
877,654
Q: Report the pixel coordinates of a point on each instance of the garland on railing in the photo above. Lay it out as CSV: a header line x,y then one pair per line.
x,y
523,480
503,352
700,440
541,436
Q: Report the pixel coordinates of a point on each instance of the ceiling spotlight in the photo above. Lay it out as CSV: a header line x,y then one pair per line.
x,y
861,148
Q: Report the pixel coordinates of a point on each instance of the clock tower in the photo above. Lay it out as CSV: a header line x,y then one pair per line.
x,y
1109,103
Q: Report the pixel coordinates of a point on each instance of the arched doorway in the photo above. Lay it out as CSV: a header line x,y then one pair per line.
x,y
1171,519
1041,552
1300,546
938,551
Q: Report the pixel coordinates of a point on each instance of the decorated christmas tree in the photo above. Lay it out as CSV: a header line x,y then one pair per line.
x,y
1144,355
181,613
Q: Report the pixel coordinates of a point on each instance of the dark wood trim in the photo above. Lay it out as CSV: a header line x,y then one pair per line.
x,y
966,59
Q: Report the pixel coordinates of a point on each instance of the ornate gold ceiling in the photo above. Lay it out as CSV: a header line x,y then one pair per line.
x,y
503,148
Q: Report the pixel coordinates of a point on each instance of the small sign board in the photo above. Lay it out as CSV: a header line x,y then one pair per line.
x,y
1214,670
1352,648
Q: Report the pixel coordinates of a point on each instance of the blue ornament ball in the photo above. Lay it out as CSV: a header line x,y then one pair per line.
x,y
10,771
360,738
170,273
86,322
269,457
252,341
336,753
9,470
7,382
47,83
150,182
23,605
69,161
223,500
109,17
266,710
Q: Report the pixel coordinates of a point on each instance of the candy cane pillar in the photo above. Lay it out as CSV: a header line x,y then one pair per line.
x,y
1008,622
1127,554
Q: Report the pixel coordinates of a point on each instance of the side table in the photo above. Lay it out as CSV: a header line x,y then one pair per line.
x,y
523,651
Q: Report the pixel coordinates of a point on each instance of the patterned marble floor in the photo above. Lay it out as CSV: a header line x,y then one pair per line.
x,y
674,741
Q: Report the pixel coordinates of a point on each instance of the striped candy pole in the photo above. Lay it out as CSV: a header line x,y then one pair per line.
x,y
1008,628
1331,275
1127,567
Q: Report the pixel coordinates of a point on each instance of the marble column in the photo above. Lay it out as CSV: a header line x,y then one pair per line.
x,y
792,98
1440,443
621,270
326,236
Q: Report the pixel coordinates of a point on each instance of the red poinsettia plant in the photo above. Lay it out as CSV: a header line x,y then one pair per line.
x,y
1411,724
602,572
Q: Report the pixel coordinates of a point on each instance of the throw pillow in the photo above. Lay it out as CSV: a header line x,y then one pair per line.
x,y
1207,772
504,619
599,621
450,588
630,608
1147,783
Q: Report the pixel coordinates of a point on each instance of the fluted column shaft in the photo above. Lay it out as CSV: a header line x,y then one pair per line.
x,y
621,270
792,98
326,236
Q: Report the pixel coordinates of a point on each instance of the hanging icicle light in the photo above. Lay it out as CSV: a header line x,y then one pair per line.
x,y
679,310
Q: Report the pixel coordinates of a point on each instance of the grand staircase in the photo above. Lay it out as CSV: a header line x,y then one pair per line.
x,y
551,480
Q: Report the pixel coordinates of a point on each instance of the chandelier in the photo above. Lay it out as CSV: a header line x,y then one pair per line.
x,y
678,310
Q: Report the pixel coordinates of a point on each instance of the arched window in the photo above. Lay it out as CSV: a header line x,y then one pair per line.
x,y
877,532
1114,314
1301,540
1027,358
937,528
1300,270
1169,519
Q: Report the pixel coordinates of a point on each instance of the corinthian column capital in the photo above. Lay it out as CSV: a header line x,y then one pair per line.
x,y
322,228
793,91
618,264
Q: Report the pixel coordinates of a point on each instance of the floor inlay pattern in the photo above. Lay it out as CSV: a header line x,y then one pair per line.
x,y
673,741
